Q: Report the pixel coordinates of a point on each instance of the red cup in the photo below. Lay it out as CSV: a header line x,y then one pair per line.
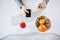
x,y
22,24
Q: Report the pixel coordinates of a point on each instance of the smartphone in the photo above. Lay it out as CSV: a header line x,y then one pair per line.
x,y
28,14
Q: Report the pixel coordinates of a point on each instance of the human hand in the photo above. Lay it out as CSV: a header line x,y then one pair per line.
x,y
42,5
25,9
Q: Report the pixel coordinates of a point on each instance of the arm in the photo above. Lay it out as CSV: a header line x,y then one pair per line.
x,y
20,3
43,4
46,1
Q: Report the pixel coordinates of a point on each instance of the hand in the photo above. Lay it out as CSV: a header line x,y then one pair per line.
x,y
42,5
24,8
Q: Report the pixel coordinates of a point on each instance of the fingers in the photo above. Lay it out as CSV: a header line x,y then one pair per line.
x,y
25,9
42,5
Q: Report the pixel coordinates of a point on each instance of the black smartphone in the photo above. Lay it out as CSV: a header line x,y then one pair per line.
x,y
28,14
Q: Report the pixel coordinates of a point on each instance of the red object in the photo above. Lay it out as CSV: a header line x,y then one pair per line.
x,y
22,24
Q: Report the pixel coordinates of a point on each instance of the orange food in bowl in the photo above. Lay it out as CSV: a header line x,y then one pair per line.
x,y
42,28
42,21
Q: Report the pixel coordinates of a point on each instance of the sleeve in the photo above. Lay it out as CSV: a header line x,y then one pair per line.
x,y
19,3
46,1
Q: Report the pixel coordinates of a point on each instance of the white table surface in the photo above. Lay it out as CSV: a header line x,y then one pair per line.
x,y
9,8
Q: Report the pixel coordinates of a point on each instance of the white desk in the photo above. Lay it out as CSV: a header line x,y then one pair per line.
x,y
9,8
